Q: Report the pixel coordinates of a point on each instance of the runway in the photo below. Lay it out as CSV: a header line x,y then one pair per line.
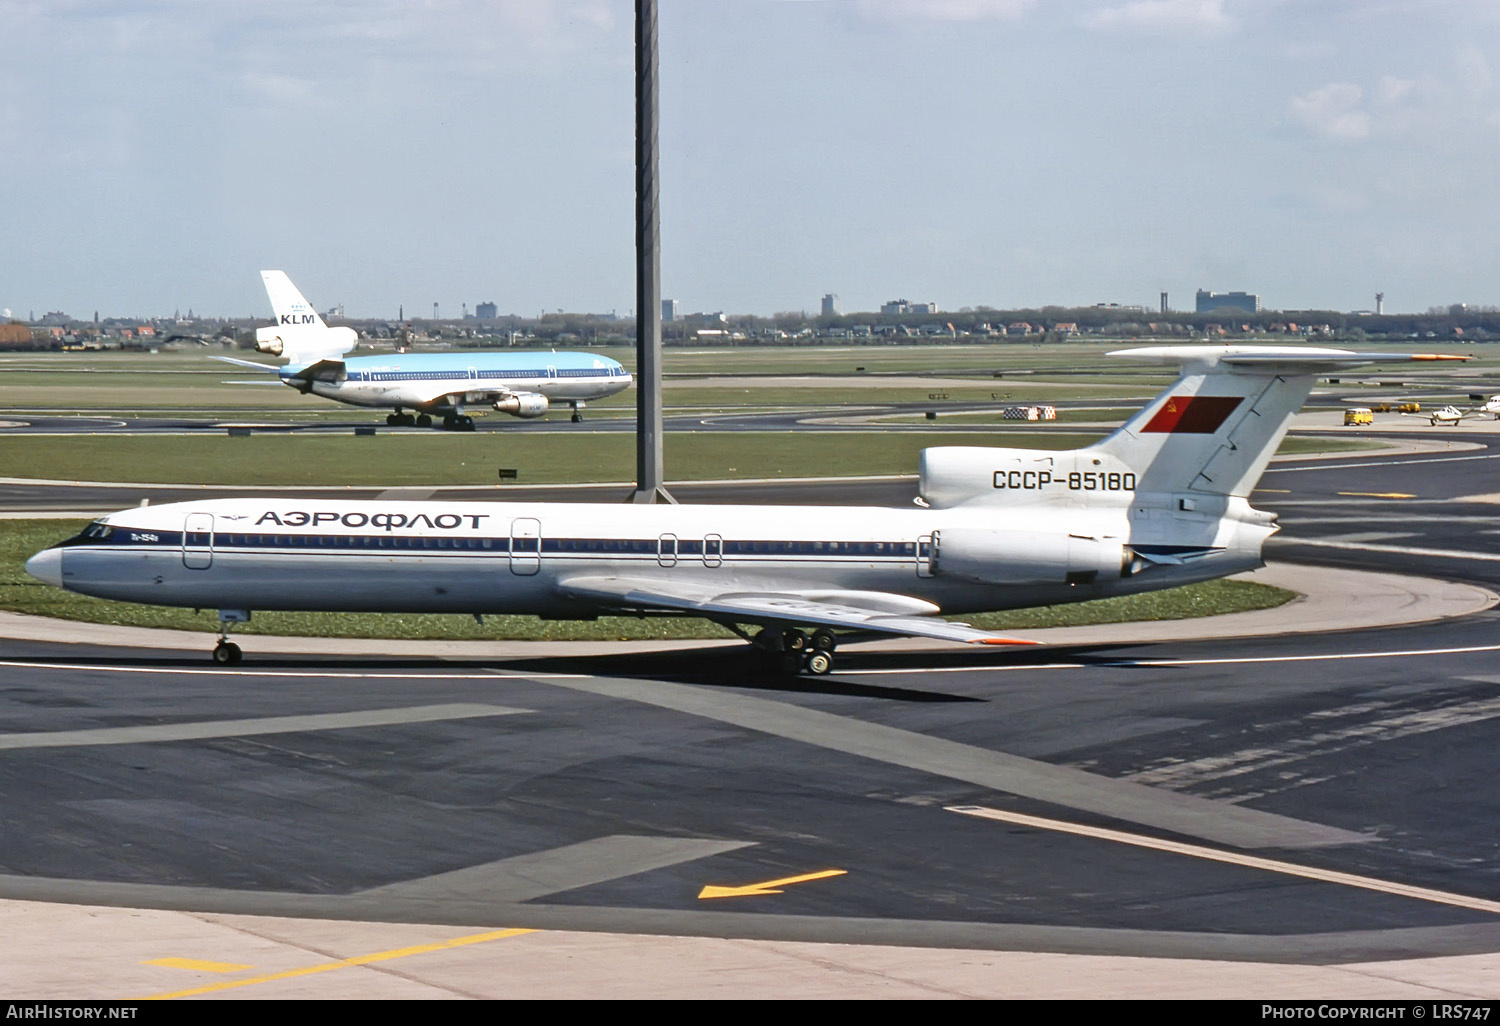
x,y
1285,815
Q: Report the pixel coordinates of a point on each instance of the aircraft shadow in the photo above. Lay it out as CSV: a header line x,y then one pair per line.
x,y
716,666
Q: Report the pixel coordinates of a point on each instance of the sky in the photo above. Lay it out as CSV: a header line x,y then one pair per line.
x,y
393,154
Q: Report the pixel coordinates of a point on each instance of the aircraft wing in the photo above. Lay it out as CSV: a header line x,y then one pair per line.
x,y
881,612
323,370
426,393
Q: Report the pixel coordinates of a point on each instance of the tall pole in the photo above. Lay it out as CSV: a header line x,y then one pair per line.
x,y
649,486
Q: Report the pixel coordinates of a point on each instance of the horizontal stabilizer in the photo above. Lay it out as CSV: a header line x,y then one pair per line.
x,y
266,367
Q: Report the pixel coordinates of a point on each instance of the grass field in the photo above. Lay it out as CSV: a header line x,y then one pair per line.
x,y
176,380
441,458
20,539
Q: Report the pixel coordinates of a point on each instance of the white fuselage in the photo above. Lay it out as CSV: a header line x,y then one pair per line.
x,y
388,389
452,380
480,557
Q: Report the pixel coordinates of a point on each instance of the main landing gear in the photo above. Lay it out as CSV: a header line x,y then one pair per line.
x,y
578,413
458,422
226,652
399,419
791,652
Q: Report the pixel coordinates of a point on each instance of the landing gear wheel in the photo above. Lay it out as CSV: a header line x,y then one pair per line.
x,y
227,653
819,662
423,420
577,417
824,641
793,641
392,420
466,423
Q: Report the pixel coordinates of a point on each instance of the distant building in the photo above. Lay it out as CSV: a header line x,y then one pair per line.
x,y
830,305
669,309
486,311
1208,302
895,306
922,308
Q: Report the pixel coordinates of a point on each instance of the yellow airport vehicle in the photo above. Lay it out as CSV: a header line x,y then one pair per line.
x,y
1358,415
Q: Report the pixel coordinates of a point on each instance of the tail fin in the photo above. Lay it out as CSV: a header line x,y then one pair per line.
x,y
1222,420
1212,432
289,305
299,333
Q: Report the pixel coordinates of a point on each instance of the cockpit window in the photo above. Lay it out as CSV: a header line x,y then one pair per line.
x,y
98,530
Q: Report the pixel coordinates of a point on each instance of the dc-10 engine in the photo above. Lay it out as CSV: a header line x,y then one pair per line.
x,y
1027,557
522,404
268,340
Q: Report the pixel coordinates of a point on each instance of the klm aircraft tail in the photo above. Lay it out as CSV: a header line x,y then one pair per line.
x,y
1211,433
299,334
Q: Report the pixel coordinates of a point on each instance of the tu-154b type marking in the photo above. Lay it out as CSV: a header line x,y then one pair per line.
x,y
522,384
1162,501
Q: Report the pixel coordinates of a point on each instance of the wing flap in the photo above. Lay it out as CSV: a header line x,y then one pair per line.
x,y
323,370
881,612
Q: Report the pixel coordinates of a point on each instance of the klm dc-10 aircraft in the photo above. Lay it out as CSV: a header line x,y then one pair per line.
x,y
522,384
1163,501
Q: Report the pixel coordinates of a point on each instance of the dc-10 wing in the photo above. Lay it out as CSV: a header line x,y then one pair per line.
x,y
877,611
323,370
456,390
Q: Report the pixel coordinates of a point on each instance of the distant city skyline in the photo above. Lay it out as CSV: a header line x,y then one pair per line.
x,y
1005,153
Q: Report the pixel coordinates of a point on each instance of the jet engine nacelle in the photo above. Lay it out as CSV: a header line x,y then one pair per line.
x,y
1030,557
268,340
306,344
523,404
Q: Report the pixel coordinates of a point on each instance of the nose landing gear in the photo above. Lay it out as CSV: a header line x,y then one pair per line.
x,y
226,652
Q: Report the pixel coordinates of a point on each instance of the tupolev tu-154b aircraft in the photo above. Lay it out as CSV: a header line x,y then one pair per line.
x,y
1162,501
522,384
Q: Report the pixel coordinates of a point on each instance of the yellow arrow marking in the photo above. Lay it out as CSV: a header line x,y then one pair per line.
x,y
1380,495
769,887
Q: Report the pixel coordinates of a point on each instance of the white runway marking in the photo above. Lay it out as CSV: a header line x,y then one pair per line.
x,y
1233,858
1400,654
1322,743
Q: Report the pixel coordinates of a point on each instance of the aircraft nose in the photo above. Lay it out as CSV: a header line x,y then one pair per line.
x,y
46,566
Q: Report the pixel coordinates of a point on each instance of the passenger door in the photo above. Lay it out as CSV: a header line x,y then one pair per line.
x,y
198,541
525,546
